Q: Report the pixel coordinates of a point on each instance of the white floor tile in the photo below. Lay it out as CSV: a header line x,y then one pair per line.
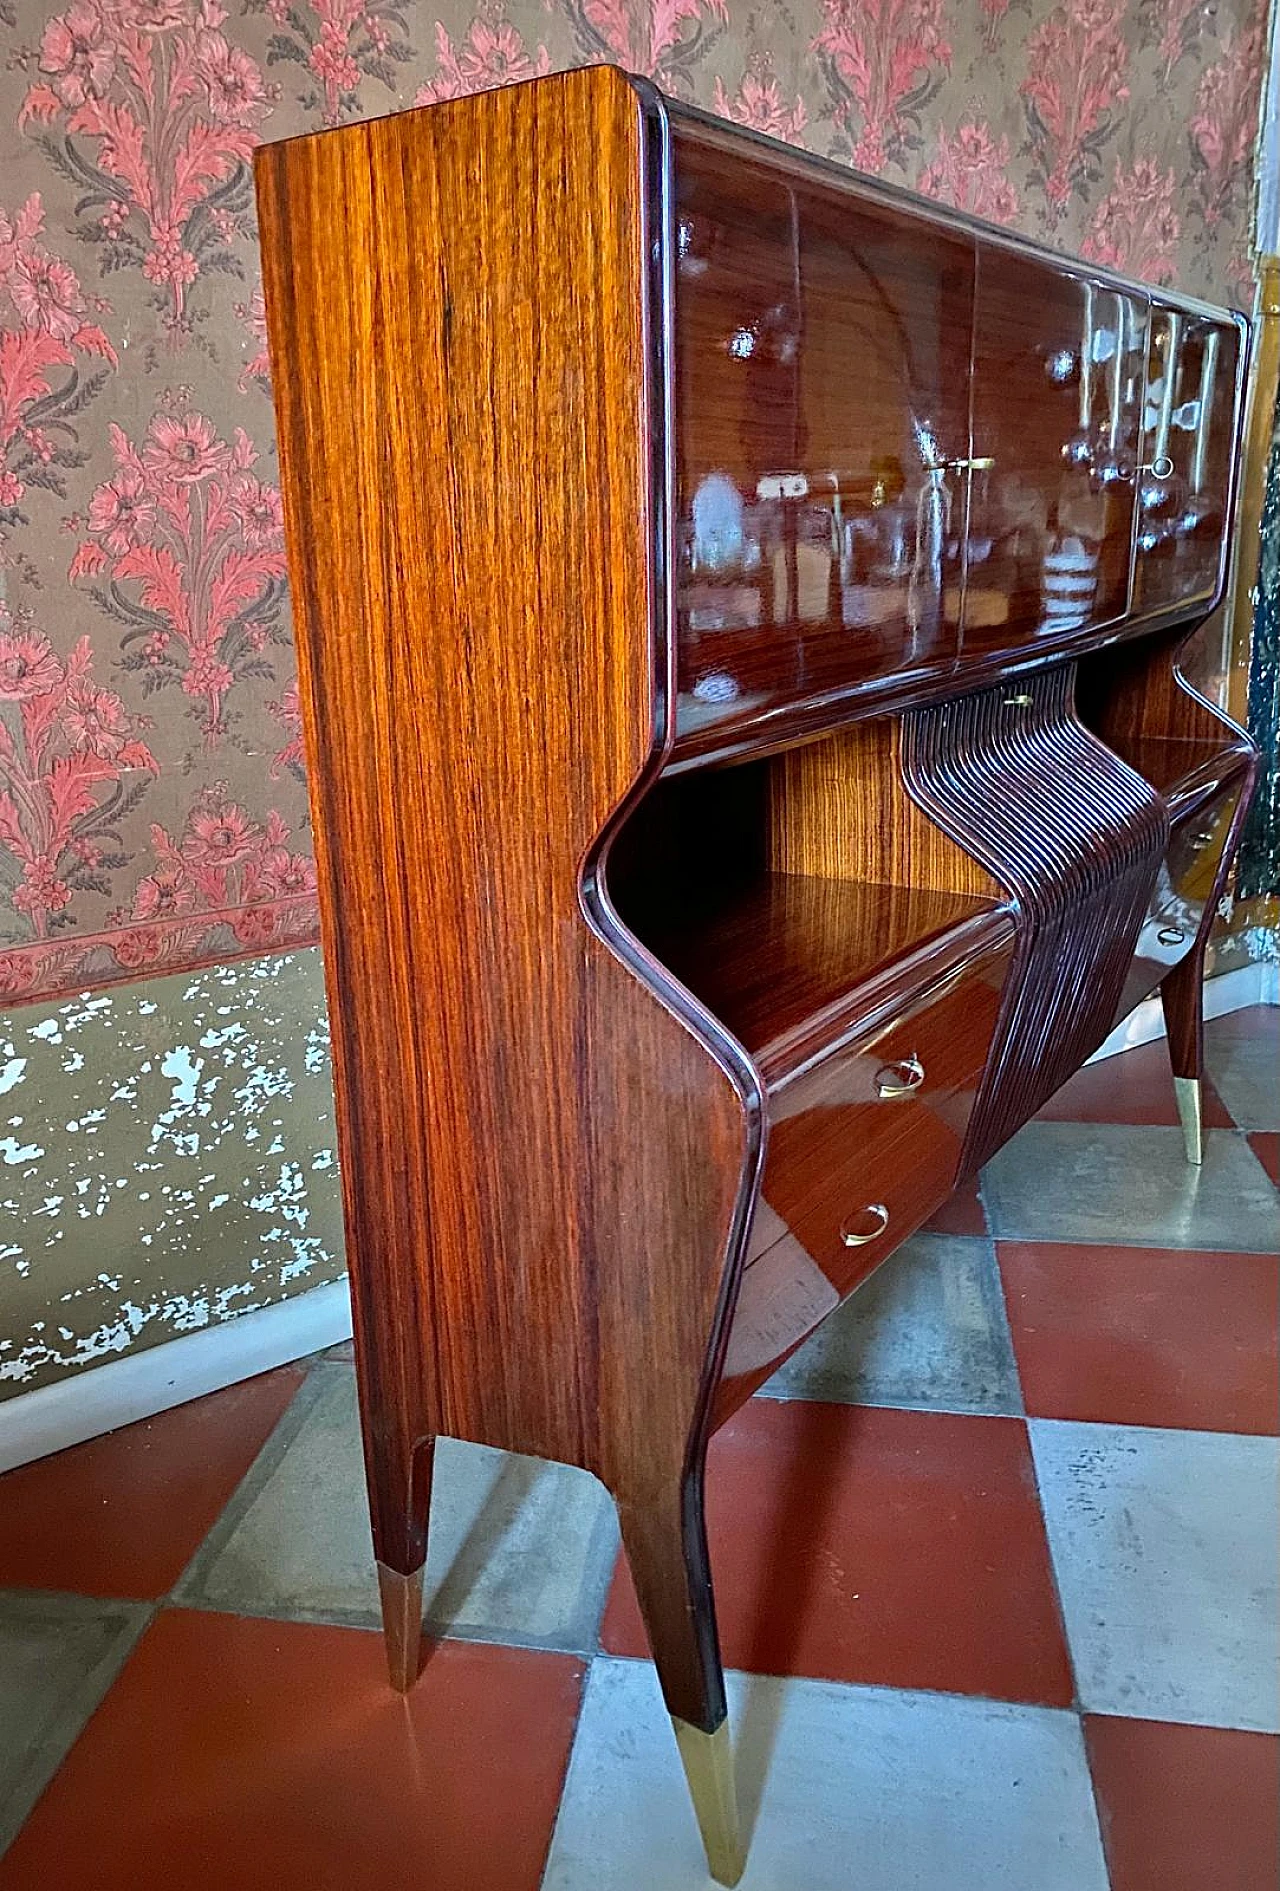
x,y
517,1550
1165,1547
844,1787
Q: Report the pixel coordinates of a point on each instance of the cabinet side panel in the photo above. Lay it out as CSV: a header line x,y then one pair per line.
x,y
541,1162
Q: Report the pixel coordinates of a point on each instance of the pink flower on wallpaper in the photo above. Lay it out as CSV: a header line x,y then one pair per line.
x,y
663,38
122,512
184,449
490,53
232,82
338,44
96,721
1226,121
190,544
1136,227
285,876
258,509
163,894
77,55
883,59
47,329
66,748
971,172
1077,64
758,104
219,836
223,869
46,294
156,115
28,668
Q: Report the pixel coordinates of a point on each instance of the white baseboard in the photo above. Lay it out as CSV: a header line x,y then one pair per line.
x,y
101,1398
1229,991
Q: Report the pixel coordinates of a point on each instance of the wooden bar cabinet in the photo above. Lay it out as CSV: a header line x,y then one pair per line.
x,y
738,610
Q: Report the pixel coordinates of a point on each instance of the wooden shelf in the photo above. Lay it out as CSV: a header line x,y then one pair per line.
x,y
1185,770
785,954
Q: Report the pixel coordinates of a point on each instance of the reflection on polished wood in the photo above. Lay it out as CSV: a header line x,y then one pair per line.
x,y
738,613
1057,406
819,509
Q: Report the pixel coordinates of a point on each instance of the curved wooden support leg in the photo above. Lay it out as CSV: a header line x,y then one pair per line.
x,y
666,1548
399,1503
1182,996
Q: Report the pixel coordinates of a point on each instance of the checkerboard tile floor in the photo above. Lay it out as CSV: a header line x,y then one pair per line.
x,y
996,1567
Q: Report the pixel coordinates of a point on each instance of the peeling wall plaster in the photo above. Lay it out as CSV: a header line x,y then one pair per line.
x,y
166,1161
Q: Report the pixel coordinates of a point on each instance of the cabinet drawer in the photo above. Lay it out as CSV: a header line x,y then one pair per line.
x,y
864,1145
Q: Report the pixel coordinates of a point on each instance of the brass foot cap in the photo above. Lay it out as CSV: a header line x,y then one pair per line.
x,y
401,1598
1188,1092
708,1767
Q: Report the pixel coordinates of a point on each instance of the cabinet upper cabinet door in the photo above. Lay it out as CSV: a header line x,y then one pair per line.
x,y
1057,406
821,383
1188,435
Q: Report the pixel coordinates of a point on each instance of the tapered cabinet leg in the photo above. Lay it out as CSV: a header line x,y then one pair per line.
x,y
666,1548
399,1503
1182,996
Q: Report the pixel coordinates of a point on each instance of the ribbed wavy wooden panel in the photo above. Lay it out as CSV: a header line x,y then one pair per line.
x,y
1077,837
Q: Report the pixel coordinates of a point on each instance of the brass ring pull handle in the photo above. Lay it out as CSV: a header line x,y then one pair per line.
x,y
899,1080
1161,467
1170,935
877,1213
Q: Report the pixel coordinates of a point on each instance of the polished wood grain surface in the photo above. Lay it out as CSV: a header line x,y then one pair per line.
x,y
1057,408
466,423
909,449
841,808
1141,702
787,957
1188,456
822,360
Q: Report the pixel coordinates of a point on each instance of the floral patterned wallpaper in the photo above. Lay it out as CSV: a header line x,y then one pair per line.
x,y
152,799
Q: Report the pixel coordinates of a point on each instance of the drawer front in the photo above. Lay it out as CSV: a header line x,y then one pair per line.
x,y
863,1147
1182,892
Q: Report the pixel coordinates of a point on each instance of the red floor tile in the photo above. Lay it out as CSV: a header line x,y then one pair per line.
x,y
1252,1023
1186,1808
962,1214
1265,1144
124,1514
1135,1087
1145,1336
853,1544
272,1756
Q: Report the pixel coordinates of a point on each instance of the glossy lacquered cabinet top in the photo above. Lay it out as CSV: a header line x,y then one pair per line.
x,y
908,449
